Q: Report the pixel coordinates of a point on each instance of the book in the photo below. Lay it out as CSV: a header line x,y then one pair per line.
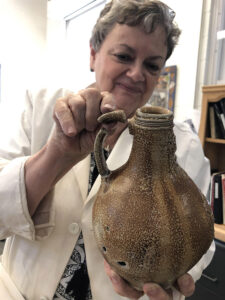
x,y
212,122
211,199
223,195
218,205
222,106
220,118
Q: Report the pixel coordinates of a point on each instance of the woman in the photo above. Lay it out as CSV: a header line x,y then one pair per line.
x,y
46,206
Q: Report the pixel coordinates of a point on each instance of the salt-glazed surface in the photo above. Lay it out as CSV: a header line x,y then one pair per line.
x,y
151,222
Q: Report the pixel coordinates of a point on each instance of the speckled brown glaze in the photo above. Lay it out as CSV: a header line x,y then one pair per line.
x,y
150,221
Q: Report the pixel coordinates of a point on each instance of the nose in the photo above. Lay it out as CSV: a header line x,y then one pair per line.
x,y
136,72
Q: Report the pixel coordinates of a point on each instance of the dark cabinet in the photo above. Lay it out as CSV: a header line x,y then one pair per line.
x,y
211,285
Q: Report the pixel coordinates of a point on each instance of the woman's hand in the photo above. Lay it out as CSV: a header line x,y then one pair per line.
x,y
76,122
185,284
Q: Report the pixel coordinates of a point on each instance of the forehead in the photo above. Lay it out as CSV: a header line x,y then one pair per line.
x,y
153,44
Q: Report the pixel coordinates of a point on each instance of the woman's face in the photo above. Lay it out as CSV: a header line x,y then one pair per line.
x,y
128,65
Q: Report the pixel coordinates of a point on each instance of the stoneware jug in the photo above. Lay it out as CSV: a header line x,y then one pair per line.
x,y
150,221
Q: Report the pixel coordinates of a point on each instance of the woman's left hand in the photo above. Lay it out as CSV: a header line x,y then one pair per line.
x,y
185,284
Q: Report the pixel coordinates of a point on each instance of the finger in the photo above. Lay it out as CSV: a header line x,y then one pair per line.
x,y
64,117
120,286
108,102
186,285
155,292
77,105
93,99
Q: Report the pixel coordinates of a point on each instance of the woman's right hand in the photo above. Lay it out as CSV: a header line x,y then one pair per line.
x,y
76,122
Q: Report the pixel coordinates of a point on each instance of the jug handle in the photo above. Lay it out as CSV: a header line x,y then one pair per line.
x,y
113,116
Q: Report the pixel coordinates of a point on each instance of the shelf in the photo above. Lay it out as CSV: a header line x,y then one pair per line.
x,y
214,149
216,141
219,232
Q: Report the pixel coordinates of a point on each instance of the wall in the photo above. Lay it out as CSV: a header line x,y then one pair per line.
x,y
23,46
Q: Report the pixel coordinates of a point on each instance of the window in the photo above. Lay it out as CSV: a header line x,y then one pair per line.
x,y
79,25
215,64
211,61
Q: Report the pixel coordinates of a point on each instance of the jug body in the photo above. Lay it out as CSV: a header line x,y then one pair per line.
x,y
150,221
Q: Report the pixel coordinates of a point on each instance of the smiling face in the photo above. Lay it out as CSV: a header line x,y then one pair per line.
x,y
128,65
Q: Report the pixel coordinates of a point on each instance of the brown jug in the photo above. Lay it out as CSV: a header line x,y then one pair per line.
x,y
151,222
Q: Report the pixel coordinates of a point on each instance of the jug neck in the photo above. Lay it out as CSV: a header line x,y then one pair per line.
x,y
154,141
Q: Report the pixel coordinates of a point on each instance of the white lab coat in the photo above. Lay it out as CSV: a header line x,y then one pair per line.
x,y
38,248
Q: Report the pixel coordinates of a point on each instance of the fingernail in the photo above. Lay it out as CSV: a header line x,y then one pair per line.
x,y
71,130
110,106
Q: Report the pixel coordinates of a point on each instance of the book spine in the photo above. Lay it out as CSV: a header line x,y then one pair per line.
x,y
218,209
222,106
212,192
223,195
220,118
212,122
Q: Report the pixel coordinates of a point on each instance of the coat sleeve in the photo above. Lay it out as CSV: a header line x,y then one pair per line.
x,y
14,151
14,215
190,157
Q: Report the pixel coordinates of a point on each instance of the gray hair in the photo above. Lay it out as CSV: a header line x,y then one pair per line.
x,y
146,13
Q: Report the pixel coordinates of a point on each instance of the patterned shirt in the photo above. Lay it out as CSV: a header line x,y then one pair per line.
x,y
74,284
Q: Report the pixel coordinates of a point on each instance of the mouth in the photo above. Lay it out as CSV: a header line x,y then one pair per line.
x,y
130,88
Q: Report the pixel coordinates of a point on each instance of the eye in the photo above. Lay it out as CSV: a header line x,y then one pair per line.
x,y
123,57
151,67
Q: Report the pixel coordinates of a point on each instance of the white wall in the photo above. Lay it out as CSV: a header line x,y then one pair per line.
x,y
23,47
56,38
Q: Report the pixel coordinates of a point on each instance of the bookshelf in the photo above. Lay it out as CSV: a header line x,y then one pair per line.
x,y
214,149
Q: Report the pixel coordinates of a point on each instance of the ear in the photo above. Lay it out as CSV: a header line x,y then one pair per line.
x,y
92,58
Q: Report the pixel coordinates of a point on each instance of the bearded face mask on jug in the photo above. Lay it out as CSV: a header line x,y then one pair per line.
x,y
150,221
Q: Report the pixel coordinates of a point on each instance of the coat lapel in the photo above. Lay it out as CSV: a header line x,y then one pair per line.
x,y
81,171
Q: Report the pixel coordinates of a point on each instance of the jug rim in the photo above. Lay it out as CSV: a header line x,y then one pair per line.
x,y
155,112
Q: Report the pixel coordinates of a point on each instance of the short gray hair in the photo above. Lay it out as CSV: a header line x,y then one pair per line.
x,y
146,13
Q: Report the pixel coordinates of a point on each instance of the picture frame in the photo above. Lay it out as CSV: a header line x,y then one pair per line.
x,y
165,91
